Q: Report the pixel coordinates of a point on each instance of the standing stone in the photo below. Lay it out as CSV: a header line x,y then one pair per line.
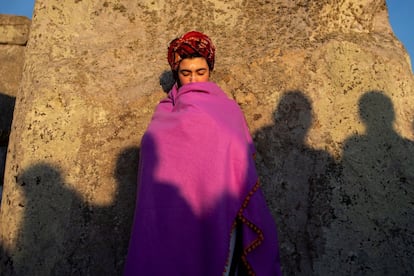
x,y
14,32
326,89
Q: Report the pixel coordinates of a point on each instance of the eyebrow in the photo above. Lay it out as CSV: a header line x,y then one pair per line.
x,y
197,70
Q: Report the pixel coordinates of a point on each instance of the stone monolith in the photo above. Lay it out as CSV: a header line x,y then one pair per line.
x,y
14,32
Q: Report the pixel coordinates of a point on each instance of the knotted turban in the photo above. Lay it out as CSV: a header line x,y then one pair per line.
x,y
189,45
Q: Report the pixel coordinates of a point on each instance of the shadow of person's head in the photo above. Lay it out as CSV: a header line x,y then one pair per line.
x,y
376,111
46,201
293,115
41,182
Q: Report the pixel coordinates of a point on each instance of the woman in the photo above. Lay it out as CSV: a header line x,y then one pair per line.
x,y
199,210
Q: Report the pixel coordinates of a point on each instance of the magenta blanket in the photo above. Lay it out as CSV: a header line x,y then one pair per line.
x,y
197,174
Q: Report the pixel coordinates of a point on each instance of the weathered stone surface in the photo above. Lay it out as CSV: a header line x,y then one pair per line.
x,y
327,91
11,60
14,33
14,29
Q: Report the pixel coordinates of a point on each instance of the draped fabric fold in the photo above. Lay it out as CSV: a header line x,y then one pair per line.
x,y
196,178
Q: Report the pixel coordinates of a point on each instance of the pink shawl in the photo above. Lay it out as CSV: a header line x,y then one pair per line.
x,y
197,175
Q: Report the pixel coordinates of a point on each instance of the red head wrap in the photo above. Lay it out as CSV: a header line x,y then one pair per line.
x,y
190,44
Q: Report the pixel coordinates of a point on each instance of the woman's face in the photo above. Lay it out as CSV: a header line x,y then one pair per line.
x,y
193,70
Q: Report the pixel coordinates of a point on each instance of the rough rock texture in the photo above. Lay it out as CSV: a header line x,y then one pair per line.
x,y
14,29
14,32
327,91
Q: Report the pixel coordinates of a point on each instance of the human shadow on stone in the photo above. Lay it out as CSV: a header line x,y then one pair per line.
x,y
62,234
126,175
44,224
376,197
102,233
296,182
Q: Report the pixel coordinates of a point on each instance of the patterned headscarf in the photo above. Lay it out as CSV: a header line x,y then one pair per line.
x,y
189,44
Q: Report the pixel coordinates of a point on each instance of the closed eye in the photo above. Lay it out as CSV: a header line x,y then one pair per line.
x,y
185,72
201,71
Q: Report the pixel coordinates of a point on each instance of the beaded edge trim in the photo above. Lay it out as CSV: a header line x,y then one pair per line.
x,y
252,226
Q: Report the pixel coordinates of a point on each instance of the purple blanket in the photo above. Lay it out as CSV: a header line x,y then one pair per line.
x,y
196,176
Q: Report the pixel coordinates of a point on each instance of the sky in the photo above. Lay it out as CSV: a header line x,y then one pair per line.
x,y
400,13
